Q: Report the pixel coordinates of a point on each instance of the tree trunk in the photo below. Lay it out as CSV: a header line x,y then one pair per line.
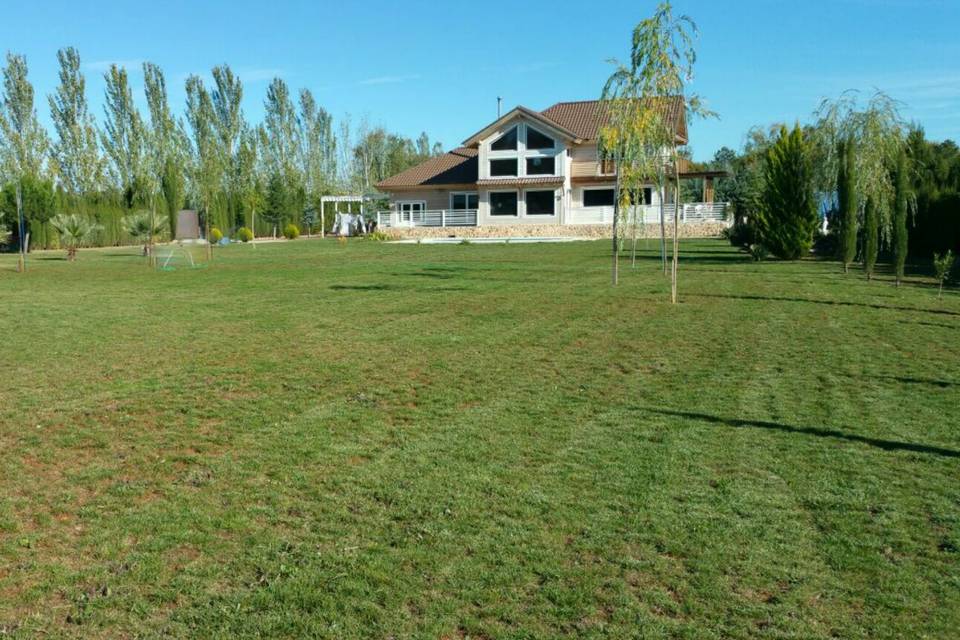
x,y
663,226
633,252
676,232
616,214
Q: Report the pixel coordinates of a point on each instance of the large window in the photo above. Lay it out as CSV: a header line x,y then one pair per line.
x,y
598,197
506,142
463,201
540,166
503,203
537,140
503,167
540,203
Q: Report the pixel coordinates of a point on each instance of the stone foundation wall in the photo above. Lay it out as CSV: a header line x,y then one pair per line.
x,y
687,230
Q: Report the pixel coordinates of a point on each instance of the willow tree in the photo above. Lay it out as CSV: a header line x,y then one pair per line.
x,y
646,99
874,134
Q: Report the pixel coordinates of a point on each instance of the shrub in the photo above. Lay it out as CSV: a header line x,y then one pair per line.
x,y
787,217
942,266
215,235
342,240
291,232
244,234
378,236
741,234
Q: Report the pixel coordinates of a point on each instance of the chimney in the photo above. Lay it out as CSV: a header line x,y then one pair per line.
x,y
499,106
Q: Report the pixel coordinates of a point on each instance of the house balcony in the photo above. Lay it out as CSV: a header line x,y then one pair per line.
x,y
691,212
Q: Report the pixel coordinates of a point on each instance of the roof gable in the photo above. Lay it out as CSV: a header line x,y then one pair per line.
x,y
517,113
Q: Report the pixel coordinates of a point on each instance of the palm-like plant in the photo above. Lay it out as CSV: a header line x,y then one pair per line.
x,y
74,231
144,228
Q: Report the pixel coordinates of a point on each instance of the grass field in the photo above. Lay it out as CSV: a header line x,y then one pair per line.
x,y
383,441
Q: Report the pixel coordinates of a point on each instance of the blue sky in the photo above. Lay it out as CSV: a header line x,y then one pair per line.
x,y
439,66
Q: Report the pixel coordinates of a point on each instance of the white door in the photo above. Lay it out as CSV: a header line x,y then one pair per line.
x,y
411,212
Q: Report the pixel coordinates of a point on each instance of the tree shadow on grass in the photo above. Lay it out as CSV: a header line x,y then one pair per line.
x,y
840,303
886,445
933,382
364,287
942,325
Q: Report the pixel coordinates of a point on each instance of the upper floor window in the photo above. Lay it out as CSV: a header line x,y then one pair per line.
x,y
541,166
537,140
506,142
503,167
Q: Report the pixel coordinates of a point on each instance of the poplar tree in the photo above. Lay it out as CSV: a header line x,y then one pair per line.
x,y
900,208
24,146
23,141
316,147
848,201
165,143
787,217
205,165
279,146
123,136
228,124
78,159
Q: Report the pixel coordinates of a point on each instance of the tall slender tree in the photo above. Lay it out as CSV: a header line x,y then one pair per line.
x,y
76,153
848,201
165,146
24,145
316,147
871,236
206,170
900,208
228,124
124,137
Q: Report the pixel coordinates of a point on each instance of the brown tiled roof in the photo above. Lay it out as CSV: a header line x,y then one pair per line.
x,y
587,116
455,167
519,182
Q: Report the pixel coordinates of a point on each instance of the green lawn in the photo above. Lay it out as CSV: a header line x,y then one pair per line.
x,y
402,441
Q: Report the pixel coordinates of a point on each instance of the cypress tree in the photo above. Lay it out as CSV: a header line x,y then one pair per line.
x,y
871,237
849,202
901,182
787,217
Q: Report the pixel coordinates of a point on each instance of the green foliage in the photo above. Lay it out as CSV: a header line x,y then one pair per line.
x,y
758,252
378,236
900,209
871,236
79,165
291,231
145,227
215,235
244,234
788,215
935,184
23,141
124,139
75,231
848,201
942,268
38,206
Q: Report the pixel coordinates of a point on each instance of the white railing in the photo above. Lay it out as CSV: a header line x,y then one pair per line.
x,y
649,214
428,218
